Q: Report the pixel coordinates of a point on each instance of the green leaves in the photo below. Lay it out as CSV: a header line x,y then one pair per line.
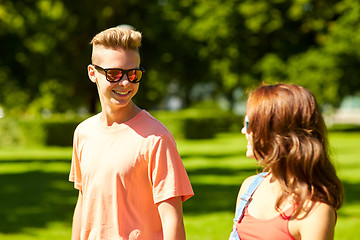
x,y
230,45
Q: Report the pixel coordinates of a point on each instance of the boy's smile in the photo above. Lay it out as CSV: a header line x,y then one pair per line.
x,y
115,95
121,93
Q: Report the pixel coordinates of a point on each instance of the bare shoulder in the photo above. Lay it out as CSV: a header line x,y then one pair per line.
x,y
318,224
245,185
321,211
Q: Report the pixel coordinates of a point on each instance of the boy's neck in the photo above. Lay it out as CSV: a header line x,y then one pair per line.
x,y
111,116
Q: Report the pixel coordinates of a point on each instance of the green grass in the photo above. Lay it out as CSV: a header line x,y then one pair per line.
x,y
37,201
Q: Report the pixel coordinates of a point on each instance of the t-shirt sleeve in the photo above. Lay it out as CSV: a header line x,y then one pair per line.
x,y
167,172
75,171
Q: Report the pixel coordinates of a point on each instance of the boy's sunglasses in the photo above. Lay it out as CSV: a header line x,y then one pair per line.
x,y
116,74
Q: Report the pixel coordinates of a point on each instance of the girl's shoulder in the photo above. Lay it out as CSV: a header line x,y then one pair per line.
x,y
319,222
246,183
318,211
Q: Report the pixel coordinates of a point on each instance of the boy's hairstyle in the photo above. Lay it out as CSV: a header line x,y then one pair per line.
x,y
118,37
290,141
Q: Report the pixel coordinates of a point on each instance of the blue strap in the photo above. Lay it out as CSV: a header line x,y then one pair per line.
x,y
246,197
244,201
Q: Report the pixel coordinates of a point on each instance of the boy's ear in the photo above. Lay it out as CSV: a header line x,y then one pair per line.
x,y
91,73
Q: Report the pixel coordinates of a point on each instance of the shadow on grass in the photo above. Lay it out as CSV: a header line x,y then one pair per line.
x,y
35,198
215,197
212,156
5,161
351,196
245,172
345,128
352,193
212,198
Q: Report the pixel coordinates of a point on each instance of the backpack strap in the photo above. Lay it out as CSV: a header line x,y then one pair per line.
x,y
244,201
246,197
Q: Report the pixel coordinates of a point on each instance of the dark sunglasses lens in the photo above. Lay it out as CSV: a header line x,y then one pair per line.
x,y
134,75
114,75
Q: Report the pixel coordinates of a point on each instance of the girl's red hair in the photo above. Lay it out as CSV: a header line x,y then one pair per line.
x,y
290,141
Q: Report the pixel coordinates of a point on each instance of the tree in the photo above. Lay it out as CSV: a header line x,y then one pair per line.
x,y
243,43
33,37
228,45
45,50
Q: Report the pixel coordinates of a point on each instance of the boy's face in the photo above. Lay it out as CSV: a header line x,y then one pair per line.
x,y
114,95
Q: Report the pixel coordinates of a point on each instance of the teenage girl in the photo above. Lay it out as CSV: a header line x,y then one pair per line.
x,y
299,195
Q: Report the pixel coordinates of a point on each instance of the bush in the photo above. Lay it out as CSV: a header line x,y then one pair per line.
x,y
344,128
9,132
59,133
198,128
56,131
172,120
198,123
31,132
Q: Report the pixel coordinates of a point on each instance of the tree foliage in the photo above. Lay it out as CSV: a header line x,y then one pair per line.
x,y
230,45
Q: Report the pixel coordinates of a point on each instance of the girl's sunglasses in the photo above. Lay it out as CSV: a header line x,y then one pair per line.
x,y
246,122
116,74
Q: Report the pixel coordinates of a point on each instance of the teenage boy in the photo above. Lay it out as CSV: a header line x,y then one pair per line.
x,y
125,163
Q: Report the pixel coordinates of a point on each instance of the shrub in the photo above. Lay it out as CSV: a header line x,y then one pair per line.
x,y
9,132
59,133
198,123
58,130
38,131
198,128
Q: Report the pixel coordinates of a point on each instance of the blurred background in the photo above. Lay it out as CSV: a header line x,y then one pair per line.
x,y
201,59
193,51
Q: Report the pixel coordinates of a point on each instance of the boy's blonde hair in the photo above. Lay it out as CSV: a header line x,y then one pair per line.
x,y
118,37
124,37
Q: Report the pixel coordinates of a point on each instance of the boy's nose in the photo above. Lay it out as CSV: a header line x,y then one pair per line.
x,y
124,80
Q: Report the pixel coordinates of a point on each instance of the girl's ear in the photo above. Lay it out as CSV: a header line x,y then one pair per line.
x,y
91,73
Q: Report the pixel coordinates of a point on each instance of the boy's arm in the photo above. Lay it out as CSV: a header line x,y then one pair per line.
x,y
172,219
76,226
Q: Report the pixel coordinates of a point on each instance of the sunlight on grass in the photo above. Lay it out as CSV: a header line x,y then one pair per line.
x,y
348,223
32,166
53,231
40,153
346,153
39,200
209,226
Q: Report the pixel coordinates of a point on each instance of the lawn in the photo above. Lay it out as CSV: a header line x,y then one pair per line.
x,y
37,201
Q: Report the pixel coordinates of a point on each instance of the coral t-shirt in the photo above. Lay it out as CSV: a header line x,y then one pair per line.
x,y
123,171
